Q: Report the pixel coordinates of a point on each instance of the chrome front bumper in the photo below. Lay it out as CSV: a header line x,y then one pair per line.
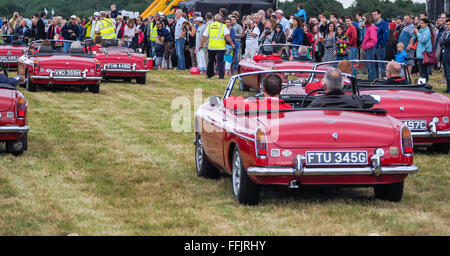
x,y
376,169
14,129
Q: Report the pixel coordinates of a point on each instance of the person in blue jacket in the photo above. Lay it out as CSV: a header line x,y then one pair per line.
x,y
382,39
301,13
12,81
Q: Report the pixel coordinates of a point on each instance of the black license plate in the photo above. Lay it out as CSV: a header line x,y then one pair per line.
x,y
67,73
119,66
416,125
336,158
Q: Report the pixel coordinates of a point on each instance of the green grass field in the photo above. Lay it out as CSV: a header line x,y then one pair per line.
x,y
110,164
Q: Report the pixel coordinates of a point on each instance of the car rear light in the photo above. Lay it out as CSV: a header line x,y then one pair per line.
x,y
36,66
407,141
98,67
145,61
21,107
260,143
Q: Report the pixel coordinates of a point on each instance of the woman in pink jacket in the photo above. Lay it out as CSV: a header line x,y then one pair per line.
x,y
368,45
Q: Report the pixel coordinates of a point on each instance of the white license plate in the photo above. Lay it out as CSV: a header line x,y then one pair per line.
x,y
336,158
119,66
416,125
67,73
9,58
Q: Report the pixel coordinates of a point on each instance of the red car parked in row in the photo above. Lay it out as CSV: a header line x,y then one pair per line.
x,y
120,62
13,117
51,66
11,52
306,146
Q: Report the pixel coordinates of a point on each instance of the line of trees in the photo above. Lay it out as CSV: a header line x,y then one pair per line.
x,y
85,8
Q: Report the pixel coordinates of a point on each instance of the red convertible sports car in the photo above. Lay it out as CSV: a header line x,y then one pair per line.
x,y
425,112
51,66
13,117
11,52
273,57
266,145
123,63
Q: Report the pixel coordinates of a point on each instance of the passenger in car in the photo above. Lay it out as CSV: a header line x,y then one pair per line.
x,y
334,95
98,44
302,54
272,85
393,74
344,66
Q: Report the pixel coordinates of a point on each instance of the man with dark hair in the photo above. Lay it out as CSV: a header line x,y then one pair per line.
x,y
336,98
272,85
382,39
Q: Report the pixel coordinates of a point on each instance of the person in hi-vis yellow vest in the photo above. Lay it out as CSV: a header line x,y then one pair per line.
x,y
216,33
105,27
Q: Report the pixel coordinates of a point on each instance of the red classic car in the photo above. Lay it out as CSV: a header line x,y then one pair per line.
x,y
267,145
424,111
123,63
51,66
11,52
266,60
13,117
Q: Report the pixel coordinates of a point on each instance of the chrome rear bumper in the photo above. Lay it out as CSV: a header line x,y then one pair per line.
x,y
274,171
14,129
428,134
376,169
126,71
67,78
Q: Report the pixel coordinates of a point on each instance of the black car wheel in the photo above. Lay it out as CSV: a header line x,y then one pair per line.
x,y
204,167
244,190
441,148
389,192
29,85
94,88
17,147
141,80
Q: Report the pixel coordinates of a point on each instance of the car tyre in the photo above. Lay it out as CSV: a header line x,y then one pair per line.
x,y
94,88
141,80
441,148
244,190
389,192
17,147
127,80
204,167
29,85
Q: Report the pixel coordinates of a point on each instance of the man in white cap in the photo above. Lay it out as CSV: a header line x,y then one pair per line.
x,y
69,32
283,21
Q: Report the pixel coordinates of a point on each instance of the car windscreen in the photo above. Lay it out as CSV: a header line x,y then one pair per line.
x,y
7,86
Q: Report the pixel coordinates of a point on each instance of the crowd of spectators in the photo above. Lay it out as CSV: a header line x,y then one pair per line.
x,y
174,40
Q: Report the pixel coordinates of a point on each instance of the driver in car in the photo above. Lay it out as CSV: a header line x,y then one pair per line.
x,y
336,98
393,74
277,51
272,85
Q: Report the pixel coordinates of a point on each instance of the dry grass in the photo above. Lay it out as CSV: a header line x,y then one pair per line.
x,y
110,164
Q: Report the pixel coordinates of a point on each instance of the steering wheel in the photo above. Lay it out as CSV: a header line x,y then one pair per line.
x,y
309,94
376,80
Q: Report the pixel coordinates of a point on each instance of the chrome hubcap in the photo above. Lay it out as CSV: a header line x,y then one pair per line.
x,y
236,174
